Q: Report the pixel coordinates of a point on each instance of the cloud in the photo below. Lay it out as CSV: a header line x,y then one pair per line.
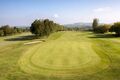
x,y
55,15
103,9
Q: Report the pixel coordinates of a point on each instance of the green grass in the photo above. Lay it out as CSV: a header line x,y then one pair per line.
x,y
64,56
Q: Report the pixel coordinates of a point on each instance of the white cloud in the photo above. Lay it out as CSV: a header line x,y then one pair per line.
x,y
55,15
103,9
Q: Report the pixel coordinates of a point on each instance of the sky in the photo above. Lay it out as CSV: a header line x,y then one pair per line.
x,y
24,12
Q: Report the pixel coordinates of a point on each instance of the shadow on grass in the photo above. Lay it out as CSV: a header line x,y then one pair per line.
x,y
104,36
22,38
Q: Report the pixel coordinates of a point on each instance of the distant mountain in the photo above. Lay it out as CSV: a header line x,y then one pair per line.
x,y
79,25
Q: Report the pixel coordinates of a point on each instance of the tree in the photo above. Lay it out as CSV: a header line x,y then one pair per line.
x,y
44,27
102,28
116,28
35,27
7,30
95,24
1,33
105,28
47,27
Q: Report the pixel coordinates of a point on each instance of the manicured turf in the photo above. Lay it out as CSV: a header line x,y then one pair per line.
x,y
68,54
64,56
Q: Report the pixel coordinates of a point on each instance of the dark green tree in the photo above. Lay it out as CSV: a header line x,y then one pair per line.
x,y
95,24
35,27
102,28
1,33
44,27
7,30
116,28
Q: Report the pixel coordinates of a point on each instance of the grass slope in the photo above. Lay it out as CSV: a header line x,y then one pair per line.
x,y
64,56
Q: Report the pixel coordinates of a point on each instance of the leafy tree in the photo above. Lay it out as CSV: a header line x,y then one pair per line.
x,y
7,30
44,27
116,28
1,33
47,27
95,24
52,26
106,28
35,27
102,28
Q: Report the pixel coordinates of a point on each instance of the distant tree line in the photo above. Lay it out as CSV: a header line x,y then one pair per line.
x,y
84,28
45,27
72,29
7,30
106,27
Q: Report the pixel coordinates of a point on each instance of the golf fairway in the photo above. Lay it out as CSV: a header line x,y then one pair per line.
x,y
64,54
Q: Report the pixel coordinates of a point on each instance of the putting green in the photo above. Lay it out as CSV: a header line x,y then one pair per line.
x,y
64,54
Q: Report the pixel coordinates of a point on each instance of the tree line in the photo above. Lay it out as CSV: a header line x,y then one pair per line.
x,y
72,28
45,27
8,30
84,28
104,28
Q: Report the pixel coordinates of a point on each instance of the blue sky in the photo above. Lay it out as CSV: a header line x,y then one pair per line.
x,y
23,12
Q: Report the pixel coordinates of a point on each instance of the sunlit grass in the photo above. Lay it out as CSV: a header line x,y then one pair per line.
x,y
64,56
